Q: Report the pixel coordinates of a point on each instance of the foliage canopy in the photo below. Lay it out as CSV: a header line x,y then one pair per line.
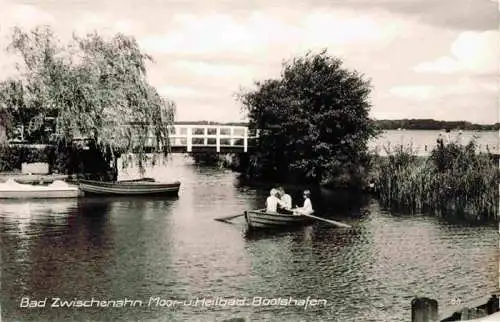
x,y
95,88
314,121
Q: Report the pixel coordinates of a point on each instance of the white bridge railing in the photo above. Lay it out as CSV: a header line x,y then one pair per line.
x,y
216,136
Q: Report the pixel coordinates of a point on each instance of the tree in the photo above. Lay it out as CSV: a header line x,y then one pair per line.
x,y
95,87
313,121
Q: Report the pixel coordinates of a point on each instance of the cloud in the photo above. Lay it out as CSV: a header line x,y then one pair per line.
x,y
201,68
474,52
450,14
89,22
104,23
189,33
477,108
176,91
26,16
416,92
219,54
125,26
259,32
462,87
17,15
21,15
453,14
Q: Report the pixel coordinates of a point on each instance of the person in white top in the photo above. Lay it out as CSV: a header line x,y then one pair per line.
x,y
272,202
285,204
307,208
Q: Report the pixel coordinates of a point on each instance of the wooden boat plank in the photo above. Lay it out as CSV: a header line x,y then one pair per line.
x,y
129,188
119,188
273,215
275,223
105,190
132,185
270,219
261,219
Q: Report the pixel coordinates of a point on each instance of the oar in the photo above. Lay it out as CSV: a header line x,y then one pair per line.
x,y
333,222
229,217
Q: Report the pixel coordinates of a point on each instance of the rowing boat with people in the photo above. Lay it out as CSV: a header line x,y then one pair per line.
x,y
260,219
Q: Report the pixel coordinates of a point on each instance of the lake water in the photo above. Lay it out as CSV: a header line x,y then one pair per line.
x,y
112,249
423,141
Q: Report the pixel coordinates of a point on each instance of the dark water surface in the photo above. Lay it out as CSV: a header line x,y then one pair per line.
x,y
112,249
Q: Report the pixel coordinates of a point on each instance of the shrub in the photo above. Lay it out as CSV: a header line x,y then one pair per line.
x,y
455,180
64,159
12,157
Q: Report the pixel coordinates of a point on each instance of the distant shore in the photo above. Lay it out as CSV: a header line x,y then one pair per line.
x,y
403,124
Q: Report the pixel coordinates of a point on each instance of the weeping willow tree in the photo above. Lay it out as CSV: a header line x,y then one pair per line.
x,y
95,87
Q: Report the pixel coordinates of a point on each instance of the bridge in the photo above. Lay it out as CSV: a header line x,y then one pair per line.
x,y
211,138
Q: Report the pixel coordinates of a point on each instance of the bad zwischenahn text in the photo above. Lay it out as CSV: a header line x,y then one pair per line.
x,y
156,301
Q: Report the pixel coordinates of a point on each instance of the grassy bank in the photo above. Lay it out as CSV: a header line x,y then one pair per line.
x,y
455,180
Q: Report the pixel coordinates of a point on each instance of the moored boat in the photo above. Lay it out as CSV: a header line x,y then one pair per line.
x,y
147,187
33,179
261,219
58,189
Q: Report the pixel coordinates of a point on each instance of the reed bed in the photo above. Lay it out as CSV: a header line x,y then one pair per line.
x,y
455,181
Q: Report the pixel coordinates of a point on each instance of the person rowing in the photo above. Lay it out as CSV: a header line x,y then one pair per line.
x,y
285,203
307,208
272,202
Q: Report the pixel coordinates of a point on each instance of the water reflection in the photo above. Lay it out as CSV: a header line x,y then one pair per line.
x,y
137,248
17,216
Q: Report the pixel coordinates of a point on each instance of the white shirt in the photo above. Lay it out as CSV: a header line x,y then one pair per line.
x,y
286,201
307,207
272,204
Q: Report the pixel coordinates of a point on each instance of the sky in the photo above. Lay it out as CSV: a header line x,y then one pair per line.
x,y
425,58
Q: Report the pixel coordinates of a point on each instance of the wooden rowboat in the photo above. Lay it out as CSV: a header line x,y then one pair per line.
x,y
261,219
140,187
58,189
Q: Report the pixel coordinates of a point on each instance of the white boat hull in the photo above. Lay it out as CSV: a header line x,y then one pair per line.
x,y
58,189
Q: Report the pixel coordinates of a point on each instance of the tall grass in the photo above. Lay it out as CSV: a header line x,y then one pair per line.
x,y
455,180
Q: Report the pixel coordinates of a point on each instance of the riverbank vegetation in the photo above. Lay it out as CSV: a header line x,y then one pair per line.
x,y
455,180
430,124
71,160
93,88
313,122
404,124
